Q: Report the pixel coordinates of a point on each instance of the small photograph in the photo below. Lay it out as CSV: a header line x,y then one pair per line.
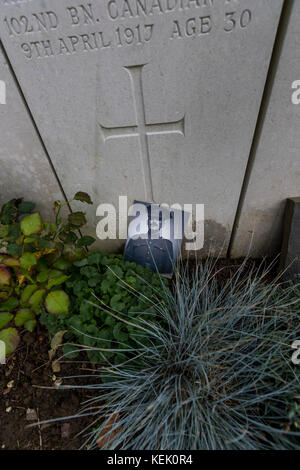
x,y
155,236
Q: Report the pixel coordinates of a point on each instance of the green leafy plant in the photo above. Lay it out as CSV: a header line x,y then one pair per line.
x,y
34,260
113,283
11,339
215,374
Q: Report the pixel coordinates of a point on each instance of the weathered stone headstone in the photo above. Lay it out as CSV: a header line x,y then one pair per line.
x,y
290,253
24,168
276,172
153,99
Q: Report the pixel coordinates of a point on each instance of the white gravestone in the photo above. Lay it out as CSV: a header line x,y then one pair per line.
x,y
153,99
25,170
276,172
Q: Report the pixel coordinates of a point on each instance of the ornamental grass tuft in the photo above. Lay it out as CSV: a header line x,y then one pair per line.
x,y
214,373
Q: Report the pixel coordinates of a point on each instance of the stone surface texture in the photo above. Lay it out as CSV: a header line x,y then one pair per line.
x,y
153,99
276,172
24,168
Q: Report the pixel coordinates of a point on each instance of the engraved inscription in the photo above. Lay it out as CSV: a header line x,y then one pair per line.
x,y
141,129
94,26
14,2
232,20
82,14
38,22
192,27
118,9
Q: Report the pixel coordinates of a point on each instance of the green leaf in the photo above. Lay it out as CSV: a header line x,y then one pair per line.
x,y
37,298
5,292
14,231
57,281
23,316
42,264
89,271
109,320
49,227
26,207
30,325
106,285
83,197
116,304
79,287
3,231
71,237
9,211
62,264
106,336
5,276
11,340
5,318
117,271
28,260
45,244
82,262
13,249
31,224
74,254
27,293
57,302
43,276
9,304
29,240
86,311
76,322
119,333
95,258
77,218
86,241
70,351
54,273
12,262
95,280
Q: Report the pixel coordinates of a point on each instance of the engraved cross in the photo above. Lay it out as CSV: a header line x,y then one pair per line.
x,y
142,129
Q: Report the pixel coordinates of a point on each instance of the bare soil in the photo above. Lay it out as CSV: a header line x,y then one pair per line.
x,y
24,401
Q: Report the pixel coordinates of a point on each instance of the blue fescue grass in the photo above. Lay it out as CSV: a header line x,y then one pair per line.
x,y
215,374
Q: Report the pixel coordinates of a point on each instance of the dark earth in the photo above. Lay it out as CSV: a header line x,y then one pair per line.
x,y
24,402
